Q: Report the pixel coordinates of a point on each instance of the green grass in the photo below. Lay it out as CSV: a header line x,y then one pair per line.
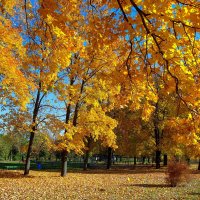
x,y
34,165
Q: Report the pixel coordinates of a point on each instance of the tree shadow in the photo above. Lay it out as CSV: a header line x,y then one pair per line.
x,y
119,171
194,193
194,171
13,175
150,185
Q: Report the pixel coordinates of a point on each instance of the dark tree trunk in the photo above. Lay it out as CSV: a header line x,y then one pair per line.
x,y
64,163
68,112
135,160
188,160
157,138
143,160
199,165
28,156
64,152
10,155
87,152
86,158
165,160
109,158
158,154
35,113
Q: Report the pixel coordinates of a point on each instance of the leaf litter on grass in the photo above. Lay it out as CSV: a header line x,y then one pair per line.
x,y
99,185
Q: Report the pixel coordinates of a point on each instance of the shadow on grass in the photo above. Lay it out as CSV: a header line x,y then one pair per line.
x,y
120,171
194,193
13,175
149,185
195,171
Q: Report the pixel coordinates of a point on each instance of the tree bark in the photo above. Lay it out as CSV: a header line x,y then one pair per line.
x,y
165,160
10,155
75,118
64,152
143,160
199,165
135,160
87,152
35,113
188,160
157,137
109,158
158,154
86,158
64,163
28,156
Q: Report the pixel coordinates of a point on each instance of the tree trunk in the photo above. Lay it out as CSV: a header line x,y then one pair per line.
x,y
199,165
135,160
35,113
64,152
10,155
188,160
28,156
88,144
109,158
158,154
64,163
157,137
86,158
143,160
165,160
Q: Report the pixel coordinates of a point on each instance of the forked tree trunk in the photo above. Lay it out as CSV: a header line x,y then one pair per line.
x,y
109,158
68,112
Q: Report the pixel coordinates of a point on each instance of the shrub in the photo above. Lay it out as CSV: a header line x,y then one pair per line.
x,y
177,172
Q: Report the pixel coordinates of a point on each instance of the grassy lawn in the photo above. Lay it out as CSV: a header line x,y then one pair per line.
x,y
95,184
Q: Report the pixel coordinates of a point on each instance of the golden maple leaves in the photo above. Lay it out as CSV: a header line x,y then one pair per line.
x,y
112,57
120,184
12,55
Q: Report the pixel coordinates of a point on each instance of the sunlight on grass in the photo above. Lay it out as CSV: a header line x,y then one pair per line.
x,y
101,184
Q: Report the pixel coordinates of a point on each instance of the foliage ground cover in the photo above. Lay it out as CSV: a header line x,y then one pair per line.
x,y
144,183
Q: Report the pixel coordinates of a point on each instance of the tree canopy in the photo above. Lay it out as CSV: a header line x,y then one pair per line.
x,y
118,71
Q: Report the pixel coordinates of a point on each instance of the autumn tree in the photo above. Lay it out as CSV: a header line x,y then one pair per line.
x,y
84,89
12,77
99,55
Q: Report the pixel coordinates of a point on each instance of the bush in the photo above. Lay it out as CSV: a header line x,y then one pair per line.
x,y
177,172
